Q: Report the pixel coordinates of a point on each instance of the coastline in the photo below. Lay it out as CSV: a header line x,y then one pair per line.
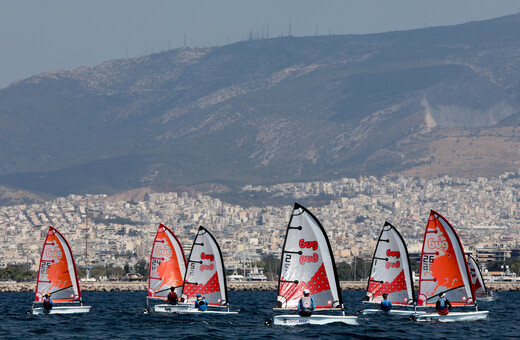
x,y
141,286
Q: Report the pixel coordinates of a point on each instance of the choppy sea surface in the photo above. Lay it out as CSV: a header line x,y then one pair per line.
x,y
119,315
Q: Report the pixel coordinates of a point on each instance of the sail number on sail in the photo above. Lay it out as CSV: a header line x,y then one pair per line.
x,y
155,264
427,260
44,267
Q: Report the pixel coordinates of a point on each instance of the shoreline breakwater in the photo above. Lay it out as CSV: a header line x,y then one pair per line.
x,y
126,286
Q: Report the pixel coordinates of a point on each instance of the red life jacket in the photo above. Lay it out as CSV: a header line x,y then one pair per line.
x,y
172,298
47,304
443,311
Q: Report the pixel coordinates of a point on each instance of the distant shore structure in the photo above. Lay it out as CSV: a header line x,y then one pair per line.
x,y
141,286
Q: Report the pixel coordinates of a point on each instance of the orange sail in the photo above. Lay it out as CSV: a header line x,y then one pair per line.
x,y
57,275
167,264
443,265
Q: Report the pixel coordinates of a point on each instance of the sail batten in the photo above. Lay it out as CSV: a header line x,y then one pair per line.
x,y
307,263
57,274
390,272
167,264
443,265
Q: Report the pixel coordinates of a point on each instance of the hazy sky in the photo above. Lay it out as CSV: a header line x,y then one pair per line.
x,y
39,36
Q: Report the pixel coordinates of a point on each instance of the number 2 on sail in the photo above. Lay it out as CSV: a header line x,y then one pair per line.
x,y
427,260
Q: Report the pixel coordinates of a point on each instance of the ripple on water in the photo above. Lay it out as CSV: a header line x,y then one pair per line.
x,y
120,315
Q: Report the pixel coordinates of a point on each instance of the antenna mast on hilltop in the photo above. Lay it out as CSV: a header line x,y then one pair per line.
x,y
86,244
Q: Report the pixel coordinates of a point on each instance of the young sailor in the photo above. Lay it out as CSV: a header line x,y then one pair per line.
x,y
173,299
201,303
47,303
386,305
306,304
443,305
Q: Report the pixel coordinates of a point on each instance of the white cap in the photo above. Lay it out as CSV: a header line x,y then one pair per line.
x,y
443,295
306,291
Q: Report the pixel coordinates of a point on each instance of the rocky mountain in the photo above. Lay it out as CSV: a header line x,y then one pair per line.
x,y
423,102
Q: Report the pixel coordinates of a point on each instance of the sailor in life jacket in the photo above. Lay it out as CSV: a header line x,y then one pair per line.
x,y
443,305
173,299
47,302
201,303
386,305
306,304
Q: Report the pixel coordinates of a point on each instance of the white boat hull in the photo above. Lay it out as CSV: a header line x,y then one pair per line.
x,y
452,316
485,298
61,310
167,308
293,320
187,309
400,312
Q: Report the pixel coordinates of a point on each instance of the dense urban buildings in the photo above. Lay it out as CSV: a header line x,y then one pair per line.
x,y
485,212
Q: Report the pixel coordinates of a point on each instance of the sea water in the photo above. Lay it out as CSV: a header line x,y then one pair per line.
x,y
120,315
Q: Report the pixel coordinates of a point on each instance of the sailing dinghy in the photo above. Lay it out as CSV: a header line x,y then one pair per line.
x,y
205,275
477,281
308,263
391,274
58,277
444,270
167,268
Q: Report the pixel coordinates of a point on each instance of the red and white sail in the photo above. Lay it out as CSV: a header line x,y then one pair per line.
x,y
390,272
205,273
307,263
57,274
443,265
476,278
167,264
